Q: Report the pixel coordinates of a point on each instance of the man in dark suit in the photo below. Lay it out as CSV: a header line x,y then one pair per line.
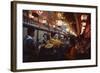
x,y
29,48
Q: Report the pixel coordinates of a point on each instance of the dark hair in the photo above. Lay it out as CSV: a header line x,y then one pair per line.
x,y
30,30
47,35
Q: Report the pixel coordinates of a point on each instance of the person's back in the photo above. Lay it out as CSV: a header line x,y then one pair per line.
x,y
29,52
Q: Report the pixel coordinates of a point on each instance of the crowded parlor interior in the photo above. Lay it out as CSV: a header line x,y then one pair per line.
x,y
56,36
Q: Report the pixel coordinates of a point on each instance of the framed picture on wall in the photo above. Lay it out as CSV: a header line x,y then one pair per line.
x,y
48,36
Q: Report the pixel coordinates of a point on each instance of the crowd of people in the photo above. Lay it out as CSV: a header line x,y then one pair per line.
x,y
54,47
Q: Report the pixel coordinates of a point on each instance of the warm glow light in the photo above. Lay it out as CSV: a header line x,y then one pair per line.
x,y
84,17
44,21
64,23
67,29
39,12
59,22
54,26
73,33
59,15
83,23
82,30
30,16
